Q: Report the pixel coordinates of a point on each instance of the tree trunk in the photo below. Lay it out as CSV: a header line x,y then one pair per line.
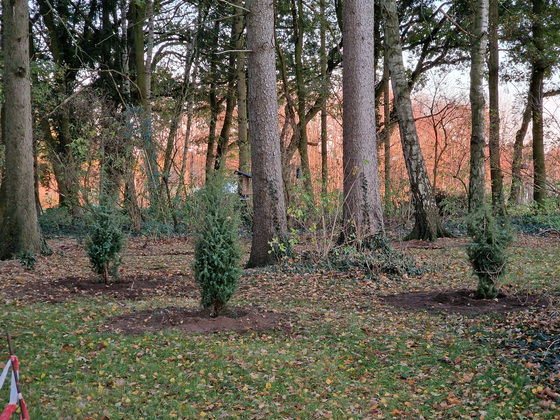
x,y
362,213
3,198
56,131
478,134
516,180
536,91
182,189
325,87
177,118
213,102
268,195
223,139
131,199
387,133
299,29
19,229
144,16
428,225
242,135
496,176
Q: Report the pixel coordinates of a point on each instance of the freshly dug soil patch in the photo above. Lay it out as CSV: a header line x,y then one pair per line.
x,y
462,302
126,287
198,321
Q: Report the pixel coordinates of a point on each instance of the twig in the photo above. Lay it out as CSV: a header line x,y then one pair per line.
x,y
235,5
231,51
440,9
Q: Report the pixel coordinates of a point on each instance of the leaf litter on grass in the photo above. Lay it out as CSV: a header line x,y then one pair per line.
x,y
346,354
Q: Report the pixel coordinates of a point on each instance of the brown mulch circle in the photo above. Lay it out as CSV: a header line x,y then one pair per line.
x,y
199,321
463,302
126,287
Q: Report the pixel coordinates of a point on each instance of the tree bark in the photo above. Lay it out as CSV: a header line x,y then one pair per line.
x,y
3,198
387,133
325,87
516,179
496,176
223,139
362,213
268,195
242,133
19,229
478,134
56,132
144,17
213,102
299,29
536,91
428,225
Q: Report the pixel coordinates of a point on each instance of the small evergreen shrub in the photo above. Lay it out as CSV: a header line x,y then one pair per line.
x,y
27,259
217,252
104,243
487,252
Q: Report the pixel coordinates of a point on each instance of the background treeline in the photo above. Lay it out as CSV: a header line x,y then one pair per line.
x,y
136,102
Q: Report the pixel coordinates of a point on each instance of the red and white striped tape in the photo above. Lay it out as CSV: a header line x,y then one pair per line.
x,y
15,397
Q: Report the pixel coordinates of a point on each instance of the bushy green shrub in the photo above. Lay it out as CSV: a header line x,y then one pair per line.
x,y
104,243
375,255
487,252
217,251
27,259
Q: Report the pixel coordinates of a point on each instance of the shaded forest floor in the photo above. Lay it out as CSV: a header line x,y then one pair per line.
x,y
303,339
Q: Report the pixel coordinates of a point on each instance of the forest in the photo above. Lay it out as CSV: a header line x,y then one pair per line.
x,y
280,209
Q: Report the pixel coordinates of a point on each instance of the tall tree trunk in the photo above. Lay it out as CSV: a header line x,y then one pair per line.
x,y
428,225
144,16
387,130
536,90
516,179
19,228
242,133
213,102
58,136
299,29
182,189
3,198
362,213
223,139
125,53
478,134
325,87
131,200
212,126
436,153
288,150
176,120
268,195
496,176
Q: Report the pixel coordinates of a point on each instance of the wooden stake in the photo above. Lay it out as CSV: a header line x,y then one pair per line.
x,y
16,376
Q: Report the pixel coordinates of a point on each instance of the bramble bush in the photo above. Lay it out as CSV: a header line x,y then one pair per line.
x,y
217,252
104,243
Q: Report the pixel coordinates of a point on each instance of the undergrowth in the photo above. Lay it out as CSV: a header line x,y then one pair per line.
x,y
375,256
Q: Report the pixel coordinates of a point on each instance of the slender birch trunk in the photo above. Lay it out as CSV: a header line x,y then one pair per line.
x,y
428,225
478,134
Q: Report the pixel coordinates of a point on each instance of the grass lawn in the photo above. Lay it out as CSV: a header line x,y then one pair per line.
x,y
341,350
